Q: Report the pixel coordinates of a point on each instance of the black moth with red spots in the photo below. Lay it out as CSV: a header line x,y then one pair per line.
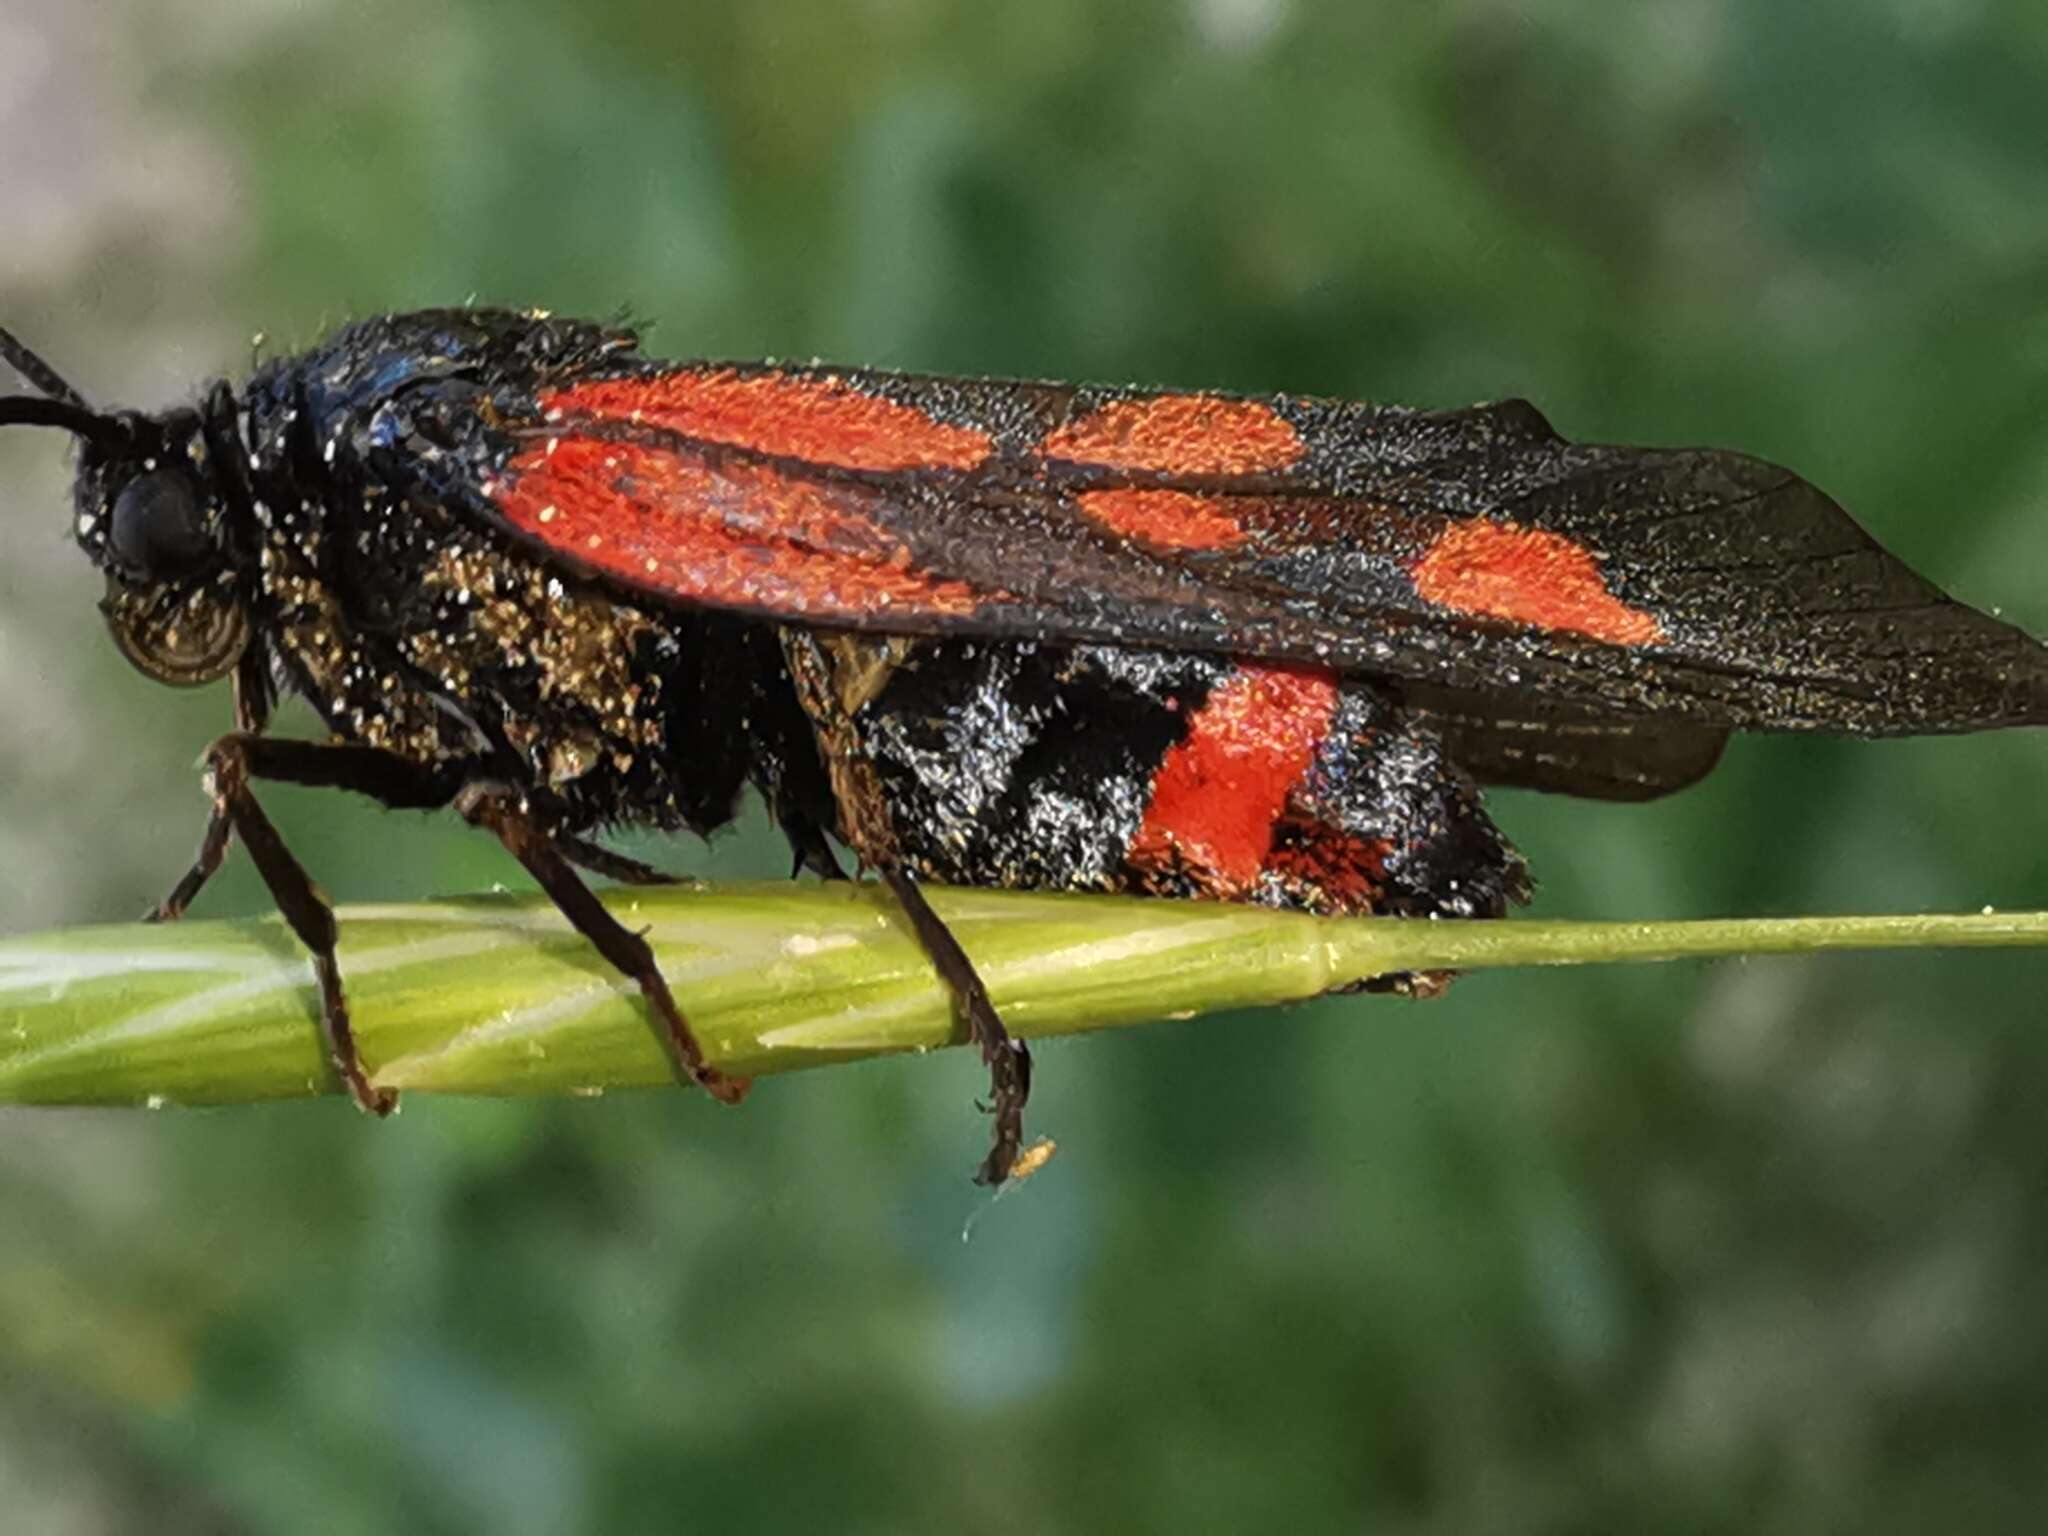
x,y
983,632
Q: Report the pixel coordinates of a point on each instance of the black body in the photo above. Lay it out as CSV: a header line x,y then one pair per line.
x,y
973,631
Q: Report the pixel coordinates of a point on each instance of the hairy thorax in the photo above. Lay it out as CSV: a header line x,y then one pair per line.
x,y
429,639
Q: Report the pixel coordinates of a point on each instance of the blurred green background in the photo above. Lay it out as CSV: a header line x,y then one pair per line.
x,y
1755,1247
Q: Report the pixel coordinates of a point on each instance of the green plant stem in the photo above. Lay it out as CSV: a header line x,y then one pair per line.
x,y
495,995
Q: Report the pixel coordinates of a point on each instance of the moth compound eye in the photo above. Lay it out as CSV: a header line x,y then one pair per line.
x,y
159,525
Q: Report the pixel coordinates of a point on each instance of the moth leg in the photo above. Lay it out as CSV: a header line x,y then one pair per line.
x,y
1007,1058
809,849
827,869
385,777
600,860
213,847
498,809
832,677
230,764
252,692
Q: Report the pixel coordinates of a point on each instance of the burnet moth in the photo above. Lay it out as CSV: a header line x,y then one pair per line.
x,y
982,632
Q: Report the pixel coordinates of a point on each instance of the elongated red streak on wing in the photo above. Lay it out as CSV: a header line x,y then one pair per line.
x,y
1530,577
1179,434
1171,519
736,535
1222,788
821,420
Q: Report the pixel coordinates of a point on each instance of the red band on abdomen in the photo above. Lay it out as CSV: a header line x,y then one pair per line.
x,y
1222,788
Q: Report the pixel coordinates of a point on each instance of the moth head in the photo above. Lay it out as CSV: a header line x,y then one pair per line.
x,y
150,514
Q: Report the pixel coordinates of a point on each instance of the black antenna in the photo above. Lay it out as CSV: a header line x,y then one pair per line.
x,y
35,411
36,371
59,405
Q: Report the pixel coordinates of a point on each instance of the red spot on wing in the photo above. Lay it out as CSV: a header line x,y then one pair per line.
x,y
732,534
820,420
1171,519
1222,789
1179,434
1528,576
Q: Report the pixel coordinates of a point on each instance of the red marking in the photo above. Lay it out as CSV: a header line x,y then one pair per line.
x,y
735,535
1223,786
1334,870
1529,577
1179,434
1170,519
821,420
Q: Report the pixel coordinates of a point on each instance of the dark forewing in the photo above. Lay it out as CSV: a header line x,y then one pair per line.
x,y
1579,617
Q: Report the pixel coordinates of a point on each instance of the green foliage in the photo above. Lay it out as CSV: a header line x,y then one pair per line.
x,y
1743,1246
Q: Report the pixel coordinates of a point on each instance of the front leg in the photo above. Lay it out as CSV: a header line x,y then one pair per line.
x,y
402,784
254,696
231,763
390,780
